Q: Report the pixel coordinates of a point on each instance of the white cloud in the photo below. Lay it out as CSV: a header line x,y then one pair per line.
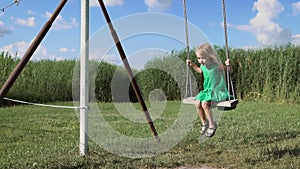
x,y
61,23
158,5
111,58
296,8
65,50
246,28
296,39
100,54
4,30
56,58
107,2
263,25
18,49
267,31
153,5
28,22
30,12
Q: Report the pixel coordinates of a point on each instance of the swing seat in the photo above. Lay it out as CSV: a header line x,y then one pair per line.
x,y
223,105
227,104
189,100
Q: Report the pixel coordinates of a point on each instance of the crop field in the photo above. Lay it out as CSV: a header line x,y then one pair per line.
x,y
254,135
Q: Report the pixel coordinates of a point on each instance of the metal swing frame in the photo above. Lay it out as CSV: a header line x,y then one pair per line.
x,y
223,105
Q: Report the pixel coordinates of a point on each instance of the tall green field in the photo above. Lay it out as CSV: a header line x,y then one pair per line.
x,y
267,74
40,81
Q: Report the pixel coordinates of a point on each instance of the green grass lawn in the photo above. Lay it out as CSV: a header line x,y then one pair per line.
x,y
254,135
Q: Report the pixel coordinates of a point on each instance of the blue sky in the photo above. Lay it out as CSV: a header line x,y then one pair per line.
x,y
251,23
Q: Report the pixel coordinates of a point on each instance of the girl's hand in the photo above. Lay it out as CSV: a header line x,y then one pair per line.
x,y
227,62
188,62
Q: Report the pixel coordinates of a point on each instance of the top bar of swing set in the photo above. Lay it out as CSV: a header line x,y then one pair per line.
x,y
17,2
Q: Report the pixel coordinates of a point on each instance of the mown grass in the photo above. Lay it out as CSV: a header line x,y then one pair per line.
x,y
255,135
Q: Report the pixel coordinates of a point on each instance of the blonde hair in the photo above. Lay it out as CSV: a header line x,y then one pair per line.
x,y
208,51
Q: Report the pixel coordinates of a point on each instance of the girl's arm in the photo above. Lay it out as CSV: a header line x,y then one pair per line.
x,y
224,67
194,66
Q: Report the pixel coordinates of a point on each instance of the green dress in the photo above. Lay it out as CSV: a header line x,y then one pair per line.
x,y
214,85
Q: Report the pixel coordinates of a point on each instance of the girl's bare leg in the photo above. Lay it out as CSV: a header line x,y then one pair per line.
x,y
200,111
208,113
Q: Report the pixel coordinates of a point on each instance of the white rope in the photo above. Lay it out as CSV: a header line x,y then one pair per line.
x,y
44,105
188,84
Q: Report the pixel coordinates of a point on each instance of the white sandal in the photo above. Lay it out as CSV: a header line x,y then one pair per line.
x,y
211,131
204,128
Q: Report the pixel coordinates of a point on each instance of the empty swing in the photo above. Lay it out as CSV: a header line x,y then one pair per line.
x,y
231,102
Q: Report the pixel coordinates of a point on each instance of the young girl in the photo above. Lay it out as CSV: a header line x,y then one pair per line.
x,y
214,86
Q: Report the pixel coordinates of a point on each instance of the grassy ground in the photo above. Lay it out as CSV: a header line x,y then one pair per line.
x,y
255,135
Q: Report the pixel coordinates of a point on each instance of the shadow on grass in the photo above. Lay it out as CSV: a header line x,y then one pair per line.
x,y
273,137
275,152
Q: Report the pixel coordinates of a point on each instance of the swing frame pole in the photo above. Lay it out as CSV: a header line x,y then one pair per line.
x,y
29,52
84,83
128,69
